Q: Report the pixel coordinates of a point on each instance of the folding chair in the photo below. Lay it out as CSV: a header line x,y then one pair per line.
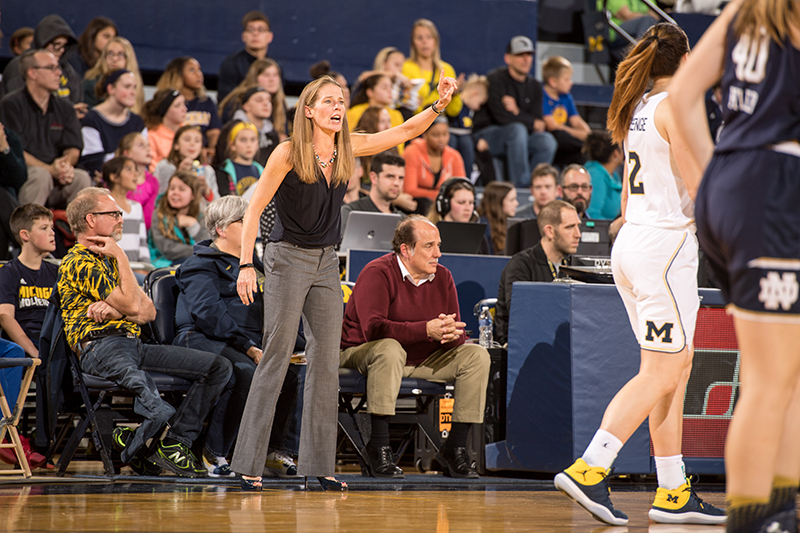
x,y
11,418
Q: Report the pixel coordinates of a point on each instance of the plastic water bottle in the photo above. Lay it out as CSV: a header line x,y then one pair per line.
x,y
485,325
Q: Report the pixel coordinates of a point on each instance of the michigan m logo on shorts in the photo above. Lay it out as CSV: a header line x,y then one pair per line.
x,y
777,290
664,332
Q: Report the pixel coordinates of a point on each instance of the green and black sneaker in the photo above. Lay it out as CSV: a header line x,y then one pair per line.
x,y
140,463
178,458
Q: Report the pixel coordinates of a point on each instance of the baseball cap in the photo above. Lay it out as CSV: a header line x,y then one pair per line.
x,y
519,45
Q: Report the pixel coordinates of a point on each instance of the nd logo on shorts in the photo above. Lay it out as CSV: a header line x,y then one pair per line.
x,y
778,285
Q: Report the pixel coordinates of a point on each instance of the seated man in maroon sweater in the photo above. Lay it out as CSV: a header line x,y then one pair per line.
x,y
402,320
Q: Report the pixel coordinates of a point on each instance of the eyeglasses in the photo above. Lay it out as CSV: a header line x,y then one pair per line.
x,y
57,47
574,187
116,215
51,68
258,29
117,55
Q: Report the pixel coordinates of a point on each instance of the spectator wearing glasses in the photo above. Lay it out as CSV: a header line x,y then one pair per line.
x,y
117,54
50,133
53,35
256,36
575,187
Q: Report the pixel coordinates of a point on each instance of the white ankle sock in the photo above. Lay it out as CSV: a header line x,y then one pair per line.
x,y
602,450
671,472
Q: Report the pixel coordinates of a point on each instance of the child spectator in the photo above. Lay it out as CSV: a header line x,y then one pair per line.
x,y
256,36
256,108
605,159
178,221
429,163
136,147
121,176
373,120
242,169
25,286
117,54
107,123
424,66
187,154
376,91
163,115
263,73
323,68
185,75
91,43
20,40
474,93
560,114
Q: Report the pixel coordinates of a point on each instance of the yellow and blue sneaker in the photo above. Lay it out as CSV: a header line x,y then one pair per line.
x,y
684,506
588,487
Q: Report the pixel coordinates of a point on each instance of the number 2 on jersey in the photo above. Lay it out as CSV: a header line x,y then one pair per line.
x,y
634,186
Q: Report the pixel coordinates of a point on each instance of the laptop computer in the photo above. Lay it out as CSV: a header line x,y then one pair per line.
x,y
461,237
369,231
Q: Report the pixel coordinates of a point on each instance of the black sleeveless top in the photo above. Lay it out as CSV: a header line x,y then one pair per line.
x,y
309,214
761,93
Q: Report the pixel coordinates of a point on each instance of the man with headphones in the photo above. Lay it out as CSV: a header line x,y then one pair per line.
x,y
386,174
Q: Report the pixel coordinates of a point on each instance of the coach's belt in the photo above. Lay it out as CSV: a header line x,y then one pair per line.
x,y
99,335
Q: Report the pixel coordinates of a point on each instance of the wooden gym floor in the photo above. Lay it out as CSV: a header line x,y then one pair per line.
x,y
87,501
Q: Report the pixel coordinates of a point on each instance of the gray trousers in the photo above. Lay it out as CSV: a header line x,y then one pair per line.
x,y
42,188
299,282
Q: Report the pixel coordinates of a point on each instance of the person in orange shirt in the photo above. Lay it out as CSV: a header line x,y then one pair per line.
x,y
163,115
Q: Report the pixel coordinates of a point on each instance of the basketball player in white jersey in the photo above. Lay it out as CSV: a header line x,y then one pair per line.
x,y
654,261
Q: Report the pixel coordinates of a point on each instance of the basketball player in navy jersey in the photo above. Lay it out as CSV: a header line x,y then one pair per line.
x,y
748,219
654,261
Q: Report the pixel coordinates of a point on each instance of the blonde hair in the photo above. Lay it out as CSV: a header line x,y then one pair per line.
x,y
100,69
278,117
302,156
383,55
437,54
554,67
776,16
658,54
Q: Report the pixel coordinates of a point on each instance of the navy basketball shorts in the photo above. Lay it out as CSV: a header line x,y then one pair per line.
x,y
748,225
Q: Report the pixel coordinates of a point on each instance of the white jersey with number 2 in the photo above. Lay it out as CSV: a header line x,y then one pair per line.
x,y
656,196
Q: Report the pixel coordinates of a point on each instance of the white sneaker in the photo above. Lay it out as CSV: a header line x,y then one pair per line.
x,y
279,464
217,466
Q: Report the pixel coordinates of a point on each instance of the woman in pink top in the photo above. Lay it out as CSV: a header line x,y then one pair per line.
x,y
430,162
164,114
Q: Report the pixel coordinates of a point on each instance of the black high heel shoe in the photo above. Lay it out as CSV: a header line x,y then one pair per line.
x,y
253,485
330,484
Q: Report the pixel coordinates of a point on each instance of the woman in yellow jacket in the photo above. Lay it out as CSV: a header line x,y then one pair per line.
x,y
424,64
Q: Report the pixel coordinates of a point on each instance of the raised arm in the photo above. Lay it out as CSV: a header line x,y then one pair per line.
x,y
277,167
369,144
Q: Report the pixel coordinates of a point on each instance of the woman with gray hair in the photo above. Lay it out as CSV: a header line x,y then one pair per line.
x,y
211,317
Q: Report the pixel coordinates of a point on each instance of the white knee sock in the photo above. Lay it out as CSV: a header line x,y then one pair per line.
x,y
602,450
671,472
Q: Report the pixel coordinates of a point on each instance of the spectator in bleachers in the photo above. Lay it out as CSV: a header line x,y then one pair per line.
x,y
163,115
544,189
263,73
455,203
103,307
430,162
13,173
107,123
498,203
474,93
256,36
211,317
25,286
389,62
511,121
242,170
560,114
117,54
256,109
375,91
187,154
559,226
185,75
633,16
372,120
91,43
575,187
402,320
177,221
120,177
50,152
425,64
323,68
136,147
53,35
354,190
605,159
386,175
20,40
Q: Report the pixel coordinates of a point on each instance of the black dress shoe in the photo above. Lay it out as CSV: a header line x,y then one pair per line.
x,y
380,462
455,462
